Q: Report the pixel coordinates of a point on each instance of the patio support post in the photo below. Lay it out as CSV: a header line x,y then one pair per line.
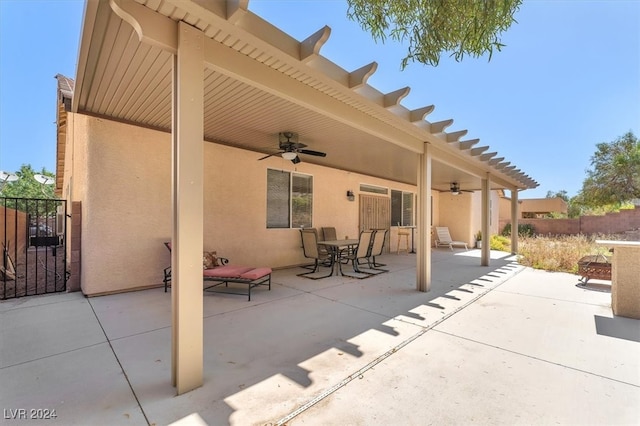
x,y
187,204
485,224
514,221
423,256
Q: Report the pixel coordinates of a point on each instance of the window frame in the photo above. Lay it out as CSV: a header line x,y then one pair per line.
x,y
289,199
404,195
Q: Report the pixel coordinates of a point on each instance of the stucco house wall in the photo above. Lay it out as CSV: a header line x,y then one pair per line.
x,y
122,175
504,208
462,215
456,213
542,206
494,214
124,185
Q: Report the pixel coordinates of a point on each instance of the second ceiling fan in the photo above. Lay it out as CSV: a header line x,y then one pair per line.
x,y
455,189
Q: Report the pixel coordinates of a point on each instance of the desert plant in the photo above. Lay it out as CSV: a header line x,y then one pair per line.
x,y
559,253
479,236
499,242
524,230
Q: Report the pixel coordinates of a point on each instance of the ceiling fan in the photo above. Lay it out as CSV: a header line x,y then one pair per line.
x,y
455,189
290,148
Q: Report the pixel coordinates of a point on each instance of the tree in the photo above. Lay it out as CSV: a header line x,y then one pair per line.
x,y
26,187
432,27
560,194
615,174
574,208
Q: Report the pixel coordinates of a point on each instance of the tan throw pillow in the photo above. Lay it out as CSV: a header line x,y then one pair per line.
x,y
207,260
214,259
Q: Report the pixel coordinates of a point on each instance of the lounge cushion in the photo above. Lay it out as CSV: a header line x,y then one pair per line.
x,y
256,273
227,271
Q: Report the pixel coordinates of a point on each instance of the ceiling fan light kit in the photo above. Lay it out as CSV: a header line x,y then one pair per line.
x,y
289,155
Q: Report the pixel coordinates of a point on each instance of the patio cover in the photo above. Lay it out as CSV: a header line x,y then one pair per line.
x,y
213,70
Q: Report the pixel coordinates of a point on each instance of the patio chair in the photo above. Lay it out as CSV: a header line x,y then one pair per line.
x,y
376,250
443,238
311,250
362,252
329,234
322,250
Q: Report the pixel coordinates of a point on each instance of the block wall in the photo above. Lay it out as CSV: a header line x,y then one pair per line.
x,y
611,223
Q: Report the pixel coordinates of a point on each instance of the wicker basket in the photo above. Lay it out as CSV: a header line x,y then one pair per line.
x,y
595,266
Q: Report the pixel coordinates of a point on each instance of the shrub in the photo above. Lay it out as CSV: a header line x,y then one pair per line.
x,y
501,243
524,230
560,253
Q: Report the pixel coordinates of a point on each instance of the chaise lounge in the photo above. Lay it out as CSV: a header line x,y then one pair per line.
x,y
218,272
443,238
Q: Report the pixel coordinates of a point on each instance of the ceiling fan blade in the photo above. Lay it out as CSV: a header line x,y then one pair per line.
x,y
311,152
267,156
296,160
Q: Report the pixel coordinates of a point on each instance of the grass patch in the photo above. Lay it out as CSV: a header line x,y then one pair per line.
x,y
558,253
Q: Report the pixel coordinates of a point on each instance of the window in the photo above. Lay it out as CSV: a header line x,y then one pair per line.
x,y
373,189
289,199
401,208
301,200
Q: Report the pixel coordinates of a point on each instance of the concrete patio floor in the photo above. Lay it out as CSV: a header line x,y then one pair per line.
x,y
489,345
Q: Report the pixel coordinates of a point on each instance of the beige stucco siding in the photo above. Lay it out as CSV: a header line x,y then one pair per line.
x,y
462,215
543,205
505,208
458,217
126,206
126,201
476,214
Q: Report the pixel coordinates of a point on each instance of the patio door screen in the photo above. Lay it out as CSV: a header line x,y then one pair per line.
x,y
375,213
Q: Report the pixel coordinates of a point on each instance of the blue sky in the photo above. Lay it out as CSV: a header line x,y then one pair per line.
x,y
568,79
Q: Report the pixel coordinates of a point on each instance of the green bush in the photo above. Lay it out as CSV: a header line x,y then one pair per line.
x,y
524,230
501,243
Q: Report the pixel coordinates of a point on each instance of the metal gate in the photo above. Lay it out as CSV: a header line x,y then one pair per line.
x,y
33,245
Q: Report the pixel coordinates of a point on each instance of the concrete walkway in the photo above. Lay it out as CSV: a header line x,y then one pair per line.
x,y
489,345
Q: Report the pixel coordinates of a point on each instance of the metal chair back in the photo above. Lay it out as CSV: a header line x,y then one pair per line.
x,y
329,233
378,242
364,244
310,243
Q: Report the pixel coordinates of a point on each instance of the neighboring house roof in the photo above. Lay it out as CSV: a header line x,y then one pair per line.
x,y
65,96
65,87
258,82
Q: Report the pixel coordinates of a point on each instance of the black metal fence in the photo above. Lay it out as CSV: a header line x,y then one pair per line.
x,y
33,238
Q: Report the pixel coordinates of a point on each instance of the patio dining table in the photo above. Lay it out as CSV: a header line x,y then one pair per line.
x,y
334,246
